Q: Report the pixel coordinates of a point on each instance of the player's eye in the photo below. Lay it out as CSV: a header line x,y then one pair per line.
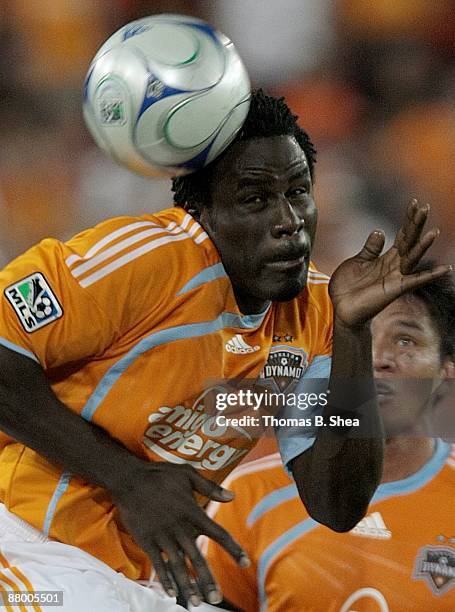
x,y
255,199
297,192
404,341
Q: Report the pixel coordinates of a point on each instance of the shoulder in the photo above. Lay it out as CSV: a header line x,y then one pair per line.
x,y
251,482
133,268
122,236
152,250
314,303
316,278
261,475
317,286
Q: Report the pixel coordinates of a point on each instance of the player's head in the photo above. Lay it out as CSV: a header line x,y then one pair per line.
x,y
413,351
256,203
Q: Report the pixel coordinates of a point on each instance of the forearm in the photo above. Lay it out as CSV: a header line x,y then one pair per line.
x,y
338,476
32,414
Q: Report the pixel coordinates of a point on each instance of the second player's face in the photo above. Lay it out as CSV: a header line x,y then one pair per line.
x,y
406,361
262,219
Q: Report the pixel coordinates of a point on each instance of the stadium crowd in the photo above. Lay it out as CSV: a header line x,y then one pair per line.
x,y
372,83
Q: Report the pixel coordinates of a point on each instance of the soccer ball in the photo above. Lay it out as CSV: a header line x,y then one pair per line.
x,y
165,95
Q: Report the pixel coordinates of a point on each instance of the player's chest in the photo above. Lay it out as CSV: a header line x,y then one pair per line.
x,y
164,398
402,559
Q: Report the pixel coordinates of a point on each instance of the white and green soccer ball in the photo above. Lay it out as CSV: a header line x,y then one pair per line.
x,y
165,95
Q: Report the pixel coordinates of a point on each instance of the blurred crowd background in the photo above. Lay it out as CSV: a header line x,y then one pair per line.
x,y
373,82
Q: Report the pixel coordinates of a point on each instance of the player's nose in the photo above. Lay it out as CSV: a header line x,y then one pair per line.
x,y
287,221
383,358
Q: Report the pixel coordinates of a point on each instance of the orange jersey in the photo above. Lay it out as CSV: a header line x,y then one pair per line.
x,y
131,320
400,557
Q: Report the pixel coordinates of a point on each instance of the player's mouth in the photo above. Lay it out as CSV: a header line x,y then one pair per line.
x,y
287,264
384,390
293,256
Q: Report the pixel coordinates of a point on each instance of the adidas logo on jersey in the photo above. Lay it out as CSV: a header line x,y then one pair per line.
x,y
372,526
238,346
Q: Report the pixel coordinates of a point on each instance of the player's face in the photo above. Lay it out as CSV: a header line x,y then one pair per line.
x,y
406,361
262,219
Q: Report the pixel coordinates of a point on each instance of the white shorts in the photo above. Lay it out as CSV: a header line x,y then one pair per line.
x,y
30,562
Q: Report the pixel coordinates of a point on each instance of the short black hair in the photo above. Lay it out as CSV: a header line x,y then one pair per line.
x,y
267,116
439,297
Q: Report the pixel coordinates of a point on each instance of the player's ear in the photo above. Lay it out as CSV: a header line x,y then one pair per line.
x,y
206,219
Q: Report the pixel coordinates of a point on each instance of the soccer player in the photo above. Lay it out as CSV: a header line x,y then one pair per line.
x,y
108,341
401,556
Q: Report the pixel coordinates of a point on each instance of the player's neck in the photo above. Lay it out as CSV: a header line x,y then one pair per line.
x,y
405,456
249,305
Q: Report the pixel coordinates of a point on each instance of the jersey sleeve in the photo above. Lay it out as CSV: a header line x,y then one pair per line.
x,y
321,312
310,394
293,440
45,315
66,302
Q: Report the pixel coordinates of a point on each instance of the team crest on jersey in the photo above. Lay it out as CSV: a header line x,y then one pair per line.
x,y
285,365
436,565
34,302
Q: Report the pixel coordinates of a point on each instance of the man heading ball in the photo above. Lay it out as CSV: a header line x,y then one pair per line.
x,y
108,448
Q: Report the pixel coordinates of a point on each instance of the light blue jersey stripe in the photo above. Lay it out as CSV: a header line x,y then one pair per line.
x,y
65,477
271,501
231,319
294,441
320,367
419,479
389,489
204,276
18,349
385,490
192,330
274,549
60,489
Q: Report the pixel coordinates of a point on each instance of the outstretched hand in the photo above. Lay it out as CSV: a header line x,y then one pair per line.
x,y
365,284
158,507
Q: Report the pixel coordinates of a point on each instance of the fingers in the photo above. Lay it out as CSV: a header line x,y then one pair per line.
x,y
411,230
210,489
175,575
160,567
373,246
411,259
224,539
178,568
206,583
413,281
409,242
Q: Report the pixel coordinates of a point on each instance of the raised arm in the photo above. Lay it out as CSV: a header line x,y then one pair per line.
x,y
338,475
